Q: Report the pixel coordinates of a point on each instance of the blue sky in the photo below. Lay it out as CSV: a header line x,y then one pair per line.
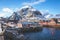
x,y
8,6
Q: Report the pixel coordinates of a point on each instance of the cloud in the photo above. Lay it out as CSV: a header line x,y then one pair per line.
x,y
16,9
44,12
1,14
47,11
5,14
34,3
8,10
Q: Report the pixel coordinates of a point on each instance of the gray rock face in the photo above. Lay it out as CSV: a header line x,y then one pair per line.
x,y
29,11
14,16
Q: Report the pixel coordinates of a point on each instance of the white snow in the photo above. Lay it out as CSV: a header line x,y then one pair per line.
x,y
33,9
27,6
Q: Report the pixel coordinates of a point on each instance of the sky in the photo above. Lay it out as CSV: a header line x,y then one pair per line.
x,y
7,7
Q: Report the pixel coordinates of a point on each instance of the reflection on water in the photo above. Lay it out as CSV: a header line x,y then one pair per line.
x,y
45,34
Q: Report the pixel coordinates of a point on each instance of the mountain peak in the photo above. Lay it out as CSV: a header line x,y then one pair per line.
x,y
27,6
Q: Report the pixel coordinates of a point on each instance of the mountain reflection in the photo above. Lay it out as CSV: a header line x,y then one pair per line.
x,y
45,34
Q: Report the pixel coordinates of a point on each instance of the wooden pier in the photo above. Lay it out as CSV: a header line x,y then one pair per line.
x,y
1,37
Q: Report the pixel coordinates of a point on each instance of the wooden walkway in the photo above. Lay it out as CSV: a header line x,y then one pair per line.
x,y
1,37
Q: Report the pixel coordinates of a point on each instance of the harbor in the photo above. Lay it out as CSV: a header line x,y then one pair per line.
x,y
29,22
44,34
31,33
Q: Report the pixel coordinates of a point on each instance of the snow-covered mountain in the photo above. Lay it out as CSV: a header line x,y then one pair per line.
x,y
15,16
57,16
47,15
28,12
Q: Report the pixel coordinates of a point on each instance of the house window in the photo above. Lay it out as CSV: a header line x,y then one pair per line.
x,y
58,20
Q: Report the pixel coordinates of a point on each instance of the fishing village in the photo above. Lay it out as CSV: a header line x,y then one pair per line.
x,y
27,19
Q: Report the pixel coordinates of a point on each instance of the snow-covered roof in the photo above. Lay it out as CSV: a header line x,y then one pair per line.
x,y
28,23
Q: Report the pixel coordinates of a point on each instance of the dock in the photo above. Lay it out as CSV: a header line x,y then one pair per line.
x,y
1,37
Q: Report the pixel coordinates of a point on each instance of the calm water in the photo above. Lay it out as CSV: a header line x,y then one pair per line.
x,y
45,34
